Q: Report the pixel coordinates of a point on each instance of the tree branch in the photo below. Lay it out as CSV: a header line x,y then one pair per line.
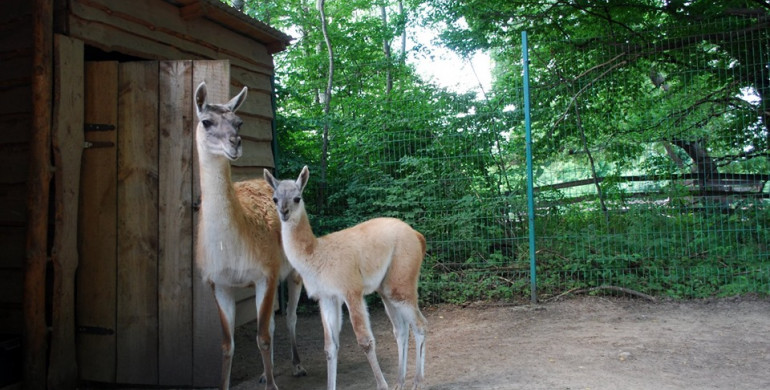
x,y
585,87
611,288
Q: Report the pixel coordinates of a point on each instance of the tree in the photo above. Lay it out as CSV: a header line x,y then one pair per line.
x,y
326,99
609,77
621,90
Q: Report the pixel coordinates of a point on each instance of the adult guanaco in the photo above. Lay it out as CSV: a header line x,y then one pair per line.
x,y
239,235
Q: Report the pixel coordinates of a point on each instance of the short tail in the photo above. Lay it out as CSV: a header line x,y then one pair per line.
x,y
421,238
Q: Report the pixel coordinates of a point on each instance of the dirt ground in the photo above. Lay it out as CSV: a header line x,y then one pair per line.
x,y
581,343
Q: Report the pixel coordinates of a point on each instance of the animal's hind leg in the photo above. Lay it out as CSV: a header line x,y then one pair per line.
x,y
226,305
401,333
419,329
294,282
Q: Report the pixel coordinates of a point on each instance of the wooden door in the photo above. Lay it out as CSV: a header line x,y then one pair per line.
x,y
143,315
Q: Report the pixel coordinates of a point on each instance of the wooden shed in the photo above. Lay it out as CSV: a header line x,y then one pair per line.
x,y
98,186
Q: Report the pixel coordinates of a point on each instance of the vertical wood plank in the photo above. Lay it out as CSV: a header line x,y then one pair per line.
x,y
175,262
137,299
67,151
97,230
38,186
207,331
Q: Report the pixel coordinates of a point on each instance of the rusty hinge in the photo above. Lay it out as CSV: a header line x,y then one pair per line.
x,y
98,127
97,144
97,330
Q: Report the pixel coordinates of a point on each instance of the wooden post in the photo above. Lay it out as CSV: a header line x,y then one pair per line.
x,y
137,269
67,152
38,184
175,252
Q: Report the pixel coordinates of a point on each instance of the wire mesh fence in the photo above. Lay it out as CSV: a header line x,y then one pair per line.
x,y
651,171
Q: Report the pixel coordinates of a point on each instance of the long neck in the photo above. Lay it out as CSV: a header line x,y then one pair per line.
x,y
217,193
299,235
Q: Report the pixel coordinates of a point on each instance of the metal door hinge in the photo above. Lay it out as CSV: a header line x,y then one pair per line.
x,y
98,127
97,144
97,330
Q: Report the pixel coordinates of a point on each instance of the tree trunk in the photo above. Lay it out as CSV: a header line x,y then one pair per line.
x,y
672,154
594,176
705,166
327,97
403,30
386,51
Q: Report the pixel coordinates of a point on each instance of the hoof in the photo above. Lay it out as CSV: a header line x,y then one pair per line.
x,y
263,379
298,371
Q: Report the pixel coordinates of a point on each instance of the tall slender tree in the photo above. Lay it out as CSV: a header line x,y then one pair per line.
x,y
326,101
386,51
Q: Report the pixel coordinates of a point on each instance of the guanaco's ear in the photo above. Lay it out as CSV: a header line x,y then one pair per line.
x,y
302,179
236,102
200,98
270,179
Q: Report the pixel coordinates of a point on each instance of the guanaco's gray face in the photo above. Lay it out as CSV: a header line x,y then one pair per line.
x,y
218,126
287,194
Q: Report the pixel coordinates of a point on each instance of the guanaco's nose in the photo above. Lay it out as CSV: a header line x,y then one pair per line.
x,y
284,214
235,140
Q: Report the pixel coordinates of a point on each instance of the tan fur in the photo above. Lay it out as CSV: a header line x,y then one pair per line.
x,y
239,235
382,254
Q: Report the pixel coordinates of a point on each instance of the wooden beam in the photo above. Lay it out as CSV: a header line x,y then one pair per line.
x,y
175,258
67,152
137,297
38,185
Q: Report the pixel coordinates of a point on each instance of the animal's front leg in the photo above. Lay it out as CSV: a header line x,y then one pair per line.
x,y
359,317
226,305
331,316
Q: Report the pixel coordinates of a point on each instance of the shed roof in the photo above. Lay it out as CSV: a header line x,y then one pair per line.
x,y
232,19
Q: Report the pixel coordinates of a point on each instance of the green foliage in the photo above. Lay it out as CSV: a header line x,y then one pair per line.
x,y
663,251
641,88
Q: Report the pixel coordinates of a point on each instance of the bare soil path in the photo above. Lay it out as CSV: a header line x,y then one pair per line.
x,y
582,343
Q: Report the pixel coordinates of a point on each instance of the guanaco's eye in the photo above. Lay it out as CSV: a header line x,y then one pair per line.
x,y
275,200
206,123
297,199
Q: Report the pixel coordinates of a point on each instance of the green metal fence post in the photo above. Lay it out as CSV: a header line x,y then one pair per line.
x,y
530,192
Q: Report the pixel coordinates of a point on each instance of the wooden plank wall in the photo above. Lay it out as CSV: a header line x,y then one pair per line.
x,y
143,272
156,30
147,316
175,257
137,297
15,122
98,228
